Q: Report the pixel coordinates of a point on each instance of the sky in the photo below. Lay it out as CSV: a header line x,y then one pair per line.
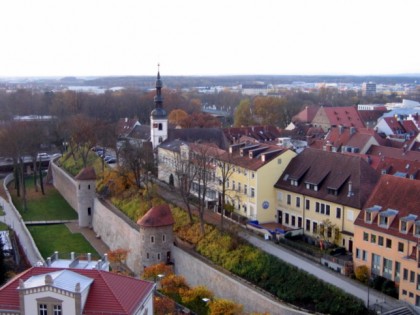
x,y
202,37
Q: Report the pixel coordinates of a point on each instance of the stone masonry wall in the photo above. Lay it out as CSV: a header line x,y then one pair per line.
x,y
197,272
65,184
116,232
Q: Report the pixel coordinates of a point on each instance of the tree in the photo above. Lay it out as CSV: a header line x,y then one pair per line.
x,y
194,298
177,116
137,159
362,273
163,305
172,284
243,114
225,166
118,257
269,110
153,271
185,174
328,232
225,307
204,164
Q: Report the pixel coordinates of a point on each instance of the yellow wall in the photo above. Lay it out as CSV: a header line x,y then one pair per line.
x,y
262,180
344,223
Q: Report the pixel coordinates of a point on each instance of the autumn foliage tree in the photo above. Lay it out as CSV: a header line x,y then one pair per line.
x,y
225,307
118,257
153,271
163,305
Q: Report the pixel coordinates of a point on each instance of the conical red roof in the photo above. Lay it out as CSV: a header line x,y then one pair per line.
x,y
87,173
160,215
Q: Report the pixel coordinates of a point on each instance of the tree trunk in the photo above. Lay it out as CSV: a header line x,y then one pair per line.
x,y
41,181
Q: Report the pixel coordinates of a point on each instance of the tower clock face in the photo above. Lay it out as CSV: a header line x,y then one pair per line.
x,y
155,125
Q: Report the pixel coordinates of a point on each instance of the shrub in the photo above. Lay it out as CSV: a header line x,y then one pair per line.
x,y
362,273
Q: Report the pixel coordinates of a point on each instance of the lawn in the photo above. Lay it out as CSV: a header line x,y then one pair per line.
x,y
57,237
3,227
51,206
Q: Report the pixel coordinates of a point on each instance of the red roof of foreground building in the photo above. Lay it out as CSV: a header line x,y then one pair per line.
x,y
306,115
109,292
397,153
159,215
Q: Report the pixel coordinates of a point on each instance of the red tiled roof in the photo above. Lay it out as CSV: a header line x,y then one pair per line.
x,y
125,125
259,133
356,137
394,165
109,292
347,116
306,115
394,153
87,173
157,216
396,193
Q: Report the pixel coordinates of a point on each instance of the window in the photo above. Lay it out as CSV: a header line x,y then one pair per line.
x,y
317,207
307,204
43,310
246,192
387,270
239,187
289,199
403,226
57,310
418,282
373,238
338,213
365,236
404,292
252,192
412,276
160,128
253,175
364,255
89,211
405,274
293,220
400,247
233,185
322,208
380,240
397,271
357,253
227,183
327,209
368,217
297,202
388,243
158,256
164,238
383,220
286,218
308,225
329,232
314,227
88,186
411,294
299,222
152,239
376,263
147,256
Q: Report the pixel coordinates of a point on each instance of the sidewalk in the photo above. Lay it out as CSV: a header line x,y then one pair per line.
x,y
90,236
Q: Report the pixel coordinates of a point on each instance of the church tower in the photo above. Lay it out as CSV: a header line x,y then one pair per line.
x,y
158,117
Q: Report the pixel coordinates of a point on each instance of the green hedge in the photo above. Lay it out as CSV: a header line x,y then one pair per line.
x,y
285,281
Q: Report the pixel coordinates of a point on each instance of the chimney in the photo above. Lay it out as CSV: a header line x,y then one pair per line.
x,y
350,193
72,255
89,256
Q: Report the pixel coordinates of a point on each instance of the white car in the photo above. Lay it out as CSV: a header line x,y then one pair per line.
x,y
43,156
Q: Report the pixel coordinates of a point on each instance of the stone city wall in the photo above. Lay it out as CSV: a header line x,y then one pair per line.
x,y
196,272
65,184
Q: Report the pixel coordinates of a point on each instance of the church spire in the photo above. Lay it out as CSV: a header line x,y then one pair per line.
x,y
158,97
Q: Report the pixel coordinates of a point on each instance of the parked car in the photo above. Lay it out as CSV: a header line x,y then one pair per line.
x,y
112,161
43,156
108,157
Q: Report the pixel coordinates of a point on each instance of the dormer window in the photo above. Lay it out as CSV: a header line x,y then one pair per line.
x,y
403,227
368,217
383,220
417,229
294,182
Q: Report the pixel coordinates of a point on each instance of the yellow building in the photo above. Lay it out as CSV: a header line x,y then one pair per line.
x,y
387,234
252,172
322,193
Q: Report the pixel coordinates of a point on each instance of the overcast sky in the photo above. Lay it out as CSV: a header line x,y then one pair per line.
x,y
197,37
